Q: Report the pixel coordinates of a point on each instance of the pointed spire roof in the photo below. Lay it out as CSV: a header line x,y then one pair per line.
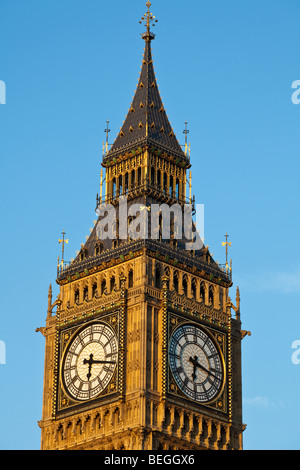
x,y
147,122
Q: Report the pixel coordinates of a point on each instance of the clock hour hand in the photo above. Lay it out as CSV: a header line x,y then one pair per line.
x,y
91,361
194,361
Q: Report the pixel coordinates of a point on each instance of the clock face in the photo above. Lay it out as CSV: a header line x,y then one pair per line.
x,y
196,363
90,361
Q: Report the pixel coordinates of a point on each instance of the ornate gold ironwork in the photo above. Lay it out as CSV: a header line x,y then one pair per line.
x,y
150,20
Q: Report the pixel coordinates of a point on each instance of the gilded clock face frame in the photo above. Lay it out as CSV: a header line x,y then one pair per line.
x,y
89,361
196,363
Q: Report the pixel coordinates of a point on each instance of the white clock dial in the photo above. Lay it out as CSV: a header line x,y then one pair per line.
x,y
90,361
196,363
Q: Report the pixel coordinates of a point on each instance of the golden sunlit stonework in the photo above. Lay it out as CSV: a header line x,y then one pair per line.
x,y
143,351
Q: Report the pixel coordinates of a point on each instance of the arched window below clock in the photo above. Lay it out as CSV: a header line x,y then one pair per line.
x,y
98,421
195,427
186,422
76,296
78,428
177,420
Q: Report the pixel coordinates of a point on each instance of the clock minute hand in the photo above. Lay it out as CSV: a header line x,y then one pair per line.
x,y
104,362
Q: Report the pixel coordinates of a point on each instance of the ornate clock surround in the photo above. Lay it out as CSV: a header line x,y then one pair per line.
x,y
220,337
63,404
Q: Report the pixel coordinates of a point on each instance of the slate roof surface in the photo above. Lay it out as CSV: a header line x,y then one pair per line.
x,y
147,121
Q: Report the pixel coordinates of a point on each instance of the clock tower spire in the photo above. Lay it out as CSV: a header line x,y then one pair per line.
x,y
143,351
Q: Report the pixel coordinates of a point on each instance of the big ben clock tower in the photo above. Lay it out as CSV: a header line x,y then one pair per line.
x,y
143,343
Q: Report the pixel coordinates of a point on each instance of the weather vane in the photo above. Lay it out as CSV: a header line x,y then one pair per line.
x,y
226,244
63,241
150,20
186,147
107,131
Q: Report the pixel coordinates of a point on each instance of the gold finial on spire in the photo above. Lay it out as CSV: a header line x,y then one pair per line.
x,y
150,20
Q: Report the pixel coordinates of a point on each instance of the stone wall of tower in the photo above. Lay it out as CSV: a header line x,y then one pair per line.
x,y
145,418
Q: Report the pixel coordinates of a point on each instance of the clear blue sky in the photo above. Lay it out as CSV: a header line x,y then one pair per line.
x,y
227,68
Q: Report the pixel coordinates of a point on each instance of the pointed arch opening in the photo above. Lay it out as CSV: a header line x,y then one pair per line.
x,y
202,291
185,285
176,281
130,279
